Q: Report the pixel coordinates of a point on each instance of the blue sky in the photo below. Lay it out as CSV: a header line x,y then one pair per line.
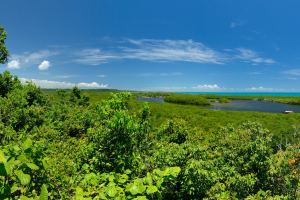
x,y
169,45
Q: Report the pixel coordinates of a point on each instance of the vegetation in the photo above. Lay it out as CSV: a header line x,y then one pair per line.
x,y
3,50
61,145
187,99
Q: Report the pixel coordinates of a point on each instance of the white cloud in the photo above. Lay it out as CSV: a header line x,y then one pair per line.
x,y
32,58
207,87
64,85
44,65
92,85
260,89
13,64
252,57
101,76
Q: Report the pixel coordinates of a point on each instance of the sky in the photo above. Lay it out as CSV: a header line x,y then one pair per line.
x,y
170,45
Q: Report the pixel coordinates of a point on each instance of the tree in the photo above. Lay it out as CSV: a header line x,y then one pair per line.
x,y
3,50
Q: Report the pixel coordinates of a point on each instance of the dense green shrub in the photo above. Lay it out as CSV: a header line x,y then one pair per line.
x,y
68,148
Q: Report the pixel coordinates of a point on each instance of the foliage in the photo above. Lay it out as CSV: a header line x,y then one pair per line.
x,y
21,172
187,99
3,50
61,145
119,186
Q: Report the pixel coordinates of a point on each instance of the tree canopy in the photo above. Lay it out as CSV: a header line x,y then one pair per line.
x,y
3,50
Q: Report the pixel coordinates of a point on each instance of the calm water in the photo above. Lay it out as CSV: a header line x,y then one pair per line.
x,y
151,99
252,105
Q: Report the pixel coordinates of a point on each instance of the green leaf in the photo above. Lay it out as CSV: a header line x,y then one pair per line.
x,y
24,178
2,157
44,193
14,188
9,166
151,189
140,198
136,187
27,144
174,171
25,198
148,179
32,166
123,178
111,191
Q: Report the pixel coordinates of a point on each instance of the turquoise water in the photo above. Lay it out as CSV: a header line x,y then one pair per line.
x,y
278,94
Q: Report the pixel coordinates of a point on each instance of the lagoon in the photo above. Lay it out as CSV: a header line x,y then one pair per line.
x,y
254,105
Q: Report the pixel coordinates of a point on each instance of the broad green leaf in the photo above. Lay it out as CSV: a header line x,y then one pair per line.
x,y
123,178
148,179
24,178
32,166
9,166
2,157
111,191
14,188
27,144
44,193
136,187
151,189
174,171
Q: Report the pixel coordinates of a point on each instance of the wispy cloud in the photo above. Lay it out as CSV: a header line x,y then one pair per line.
x,y
292,72
94,57
65,76
25,59
152,50
64,85
171,50
198,88
250,56
237,23
255,73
